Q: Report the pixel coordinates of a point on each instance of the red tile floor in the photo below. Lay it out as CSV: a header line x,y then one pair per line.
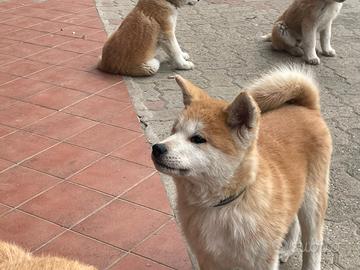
x,y
76,177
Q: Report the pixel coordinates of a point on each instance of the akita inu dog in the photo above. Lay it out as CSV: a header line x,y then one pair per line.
x,y
247,173
131,49
296,29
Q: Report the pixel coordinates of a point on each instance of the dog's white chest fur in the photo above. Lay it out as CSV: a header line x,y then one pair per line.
x,y
328,15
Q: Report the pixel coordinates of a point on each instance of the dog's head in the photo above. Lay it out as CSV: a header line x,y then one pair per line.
x,y
210,138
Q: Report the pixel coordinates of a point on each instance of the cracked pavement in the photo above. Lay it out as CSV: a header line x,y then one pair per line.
x,y
223,40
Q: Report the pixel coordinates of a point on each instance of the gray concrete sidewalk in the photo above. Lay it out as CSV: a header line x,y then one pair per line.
x,y
222,37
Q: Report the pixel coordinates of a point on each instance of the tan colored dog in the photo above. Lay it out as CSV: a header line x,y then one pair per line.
x,y
296,29
14,258
244,178
131,49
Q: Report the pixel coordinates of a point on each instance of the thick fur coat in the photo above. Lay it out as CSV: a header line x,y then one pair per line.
x,y
272,148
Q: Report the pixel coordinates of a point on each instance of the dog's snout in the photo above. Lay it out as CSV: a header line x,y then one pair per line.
x,y
159,149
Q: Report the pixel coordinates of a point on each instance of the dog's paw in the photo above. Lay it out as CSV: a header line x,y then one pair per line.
x,y
185,65
313,60
330,53
284,256
186,55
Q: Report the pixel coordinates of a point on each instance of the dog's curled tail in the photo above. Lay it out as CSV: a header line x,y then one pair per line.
x,y
286,85
267,37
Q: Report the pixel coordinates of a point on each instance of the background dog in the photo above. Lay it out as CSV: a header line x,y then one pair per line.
x,y
296,29
131,49
244,179
13,257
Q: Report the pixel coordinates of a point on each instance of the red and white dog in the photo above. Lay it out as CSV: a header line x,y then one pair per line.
x,y
250,172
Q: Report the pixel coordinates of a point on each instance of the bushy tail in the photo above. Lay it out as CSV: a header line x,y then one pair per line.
x,y
286,85
267,37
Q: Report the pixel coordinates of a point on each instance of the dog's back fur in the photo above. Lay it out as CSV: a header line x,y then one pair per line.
x,y
279,159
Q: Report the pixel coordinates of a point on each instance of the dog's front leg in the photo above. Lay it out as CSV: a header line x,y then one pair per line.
x,y
171,46
309,43
325,37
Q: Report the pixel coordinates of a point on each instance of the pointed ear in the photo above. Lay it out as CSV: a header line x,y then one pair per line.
x,y
243,115
190,92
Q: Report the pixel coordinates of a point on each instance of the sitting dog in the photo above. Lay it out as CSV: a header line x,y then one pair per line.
x,y
245,179
13,257
131,49
296,29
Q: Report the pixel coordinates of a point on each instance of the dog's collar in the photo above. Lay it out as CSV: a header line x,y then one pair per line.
x,y
229,199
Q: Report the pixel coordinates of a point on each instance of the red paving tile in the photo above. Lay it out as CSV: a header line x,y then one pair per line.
x,y
23,67
4,29
23,34
56,97
118,92
129,224
72,203
100,36
137,151
5,102
69,34
50,40
163,245
22,49
60,126
62,160
22,87
24,22
5,59
77,31
3,209
4,78
93,108
84,249
80,46
139,263
21,114
75,79
20,145
4,164
53,56
111,175
19,184
103,138
83,62
150,193
49,26
4,130
21,228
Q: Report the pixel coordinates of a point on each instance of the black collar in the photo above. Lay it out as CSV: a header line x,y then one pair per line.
x,y
229,199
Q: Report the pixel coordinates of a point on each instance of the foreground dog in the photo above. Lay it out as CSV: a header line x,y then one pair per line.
x,y
244,178
131,49
14,258
295,31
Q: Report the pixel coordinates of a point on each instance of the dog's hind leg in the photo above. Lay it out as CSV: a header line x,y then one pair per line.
x,y
146,69
311,217
289,244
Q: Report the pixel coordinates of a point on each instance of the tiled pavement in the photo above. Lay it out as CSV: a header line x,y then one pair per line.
x,y
75,175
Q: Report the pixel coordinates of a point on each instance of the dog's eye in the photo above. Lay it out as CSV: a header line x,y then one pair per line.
x,y
197,139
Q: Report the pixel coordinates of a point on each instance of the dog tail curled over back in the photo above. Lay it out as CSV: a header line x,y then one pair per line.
x,y
289,84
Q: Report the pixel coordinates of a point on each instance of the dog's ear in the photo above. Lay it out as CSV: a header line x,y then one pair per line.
x,y
243,115
190,91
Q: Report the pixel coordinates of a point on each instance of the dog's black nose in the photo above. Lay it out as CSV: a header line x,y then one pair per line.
x,y
159,149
